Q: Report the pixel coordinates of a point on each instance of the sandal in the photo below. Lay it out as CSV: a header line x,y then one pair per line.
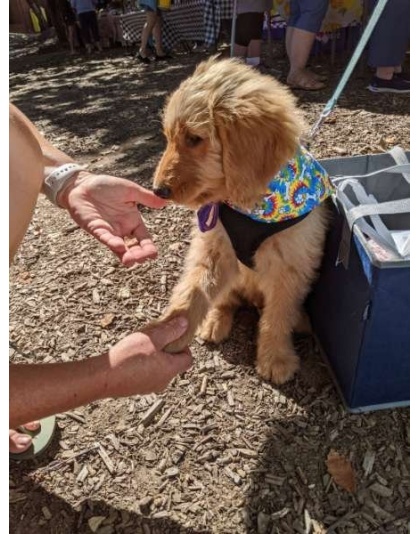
x,y
307,84
41,439
320,77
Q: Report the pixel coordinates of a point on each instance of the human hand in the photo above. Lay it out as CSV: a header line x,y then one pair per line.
x,y
106,207
137,365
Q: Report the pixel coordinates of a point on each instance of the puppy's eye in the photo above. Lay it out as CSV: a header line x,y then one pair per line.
x,y
192,140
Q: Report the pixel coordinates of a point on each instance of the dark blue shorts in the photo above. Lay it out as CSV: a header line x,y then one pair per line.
x,y
307,14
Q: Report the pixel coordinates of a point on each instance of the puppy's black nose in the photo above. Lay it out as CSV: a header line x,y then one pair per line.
x,y
162,192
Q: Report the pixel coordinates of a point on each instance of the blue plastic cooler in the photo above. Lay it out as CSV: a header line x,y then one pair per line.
x,y
360,306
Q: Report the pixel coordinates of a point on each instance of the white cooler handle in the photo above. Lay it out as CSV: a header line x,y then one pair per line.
x,y
370,207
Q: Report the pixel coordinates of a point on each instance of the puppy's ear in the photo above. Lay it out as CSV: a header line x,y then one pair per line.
x,y
259,132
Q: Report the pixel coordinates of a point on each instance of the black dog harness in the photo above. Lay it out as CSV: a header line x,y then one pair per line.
x,y
245,234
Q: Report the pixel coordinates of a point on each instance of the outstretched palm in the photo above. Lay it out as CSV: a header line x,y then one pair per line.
x,y
107,208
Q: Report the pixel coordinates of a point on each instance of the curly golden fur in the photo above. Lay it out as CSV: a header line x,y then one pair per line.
x,y
229,129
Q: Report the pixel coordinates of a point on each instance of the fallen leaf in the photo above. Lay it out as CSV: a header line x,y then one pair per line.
x,y
341,471
107,319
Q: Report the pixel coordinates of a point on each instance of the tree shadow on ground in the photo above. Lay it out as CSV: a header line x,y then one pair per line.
x,y
289,489
41,511
95,98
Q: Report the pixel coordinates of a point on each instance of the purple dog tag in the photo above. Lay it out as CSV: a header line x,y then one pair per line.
x,y
207,216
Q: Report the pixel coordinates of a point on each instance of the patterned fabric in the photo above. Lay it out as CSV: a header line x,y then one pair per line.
x,y
182,22
200,20
131,26
298,188
214,12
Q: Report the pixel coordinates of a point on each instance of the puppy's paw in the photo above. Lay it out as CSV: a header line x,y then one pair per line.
x,y
180,344
216,327
279,368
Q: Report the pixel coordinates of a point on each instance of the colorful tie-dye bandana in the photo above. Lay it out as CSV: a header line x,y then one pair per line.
x,y
298,188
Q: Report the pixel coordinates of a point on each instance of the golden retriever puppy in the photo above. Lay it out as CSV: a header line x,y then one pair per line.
x,y
229,130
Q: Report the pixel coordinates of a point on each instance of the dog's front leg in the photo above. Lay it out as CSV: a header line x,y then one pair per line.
x,y
284,289
210,267
276,357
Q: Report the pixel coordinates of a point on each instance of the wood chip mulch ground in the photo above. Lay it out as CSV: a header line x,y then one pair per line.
x,y
221,451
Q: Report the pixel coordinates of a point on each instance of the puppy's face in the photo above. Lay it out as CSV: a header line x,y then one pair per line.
x,y
190,171
228,129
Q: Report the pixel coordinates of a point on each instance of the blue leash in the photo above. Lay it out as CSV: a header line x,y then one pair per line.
x,y
377,12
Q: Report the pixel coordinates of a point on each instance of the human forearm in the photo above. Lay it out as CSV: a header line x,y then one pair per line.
x,y
39,390
52,156
136,365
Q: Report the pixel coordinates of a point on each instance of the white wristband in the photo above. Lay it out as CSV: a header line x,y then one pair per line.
x,y
55,181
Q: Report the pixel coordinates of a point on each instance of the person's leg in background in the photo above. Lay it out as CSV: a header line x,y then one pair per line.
x,y
85,29
71,35
94,29
153,26
305,21
255,30
71,23
70,20
387,48
248,35
254,52
151,18
240,46
293,17
157,36
79,39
